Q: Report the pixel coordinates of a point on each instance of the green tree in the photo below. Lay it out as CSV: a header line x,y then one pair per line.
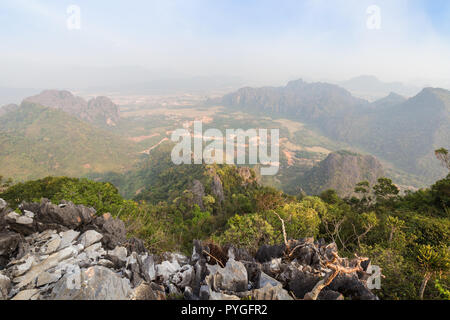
x,y
432,260
444,156
385,190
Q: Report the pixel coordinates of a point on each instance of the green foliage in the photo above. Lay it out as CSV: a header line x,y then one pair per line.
x,y
104,197
408,236
385,189
248,231
444,156
38,141
433,259
443,290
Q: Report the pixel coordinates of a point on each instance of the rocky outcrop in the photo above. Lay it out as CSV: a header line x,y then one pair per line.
x,y
198,192
99,110
341,171
67,252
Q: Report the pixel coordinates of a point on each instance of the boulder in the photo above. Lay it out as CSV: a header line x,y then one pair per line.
x,y
264,279
231,278
113,230
94,283
20,223
118,256
267,253
3,204
148,268
89,238
66,214
67,238
5,287
183,277
31,294
9,243
144,292
166,269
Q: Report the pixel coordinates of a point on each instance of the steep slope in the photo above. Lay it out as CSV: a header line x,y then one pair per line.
x,y
100,110
405,135
341,171
38,141
393,99
403,132
314,102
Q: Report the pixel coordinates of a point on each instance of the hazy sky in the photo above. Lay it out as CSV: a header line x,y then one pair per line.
x,y
269,41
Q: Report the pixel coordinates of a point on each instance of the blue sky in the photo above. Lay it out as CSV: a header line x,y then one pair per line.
x,y
256,39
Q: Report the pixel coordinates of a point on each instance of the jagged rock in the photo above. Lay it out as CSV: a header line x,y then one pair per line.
x,y
94,283
264,279
20,269
267,253
207,294
47,278
330,295
67,238
56,262
95,252
31,294
113,230
3,204
5,287
148,268
90,237
231,278
133,265
166,269
106,263
50,262
144,292
118,256
217,188
198,190
159,291
52,245
173,290
135,245
271,292
300,283
183,277
66,214
175,257
9,243
188,294
352,287
20,223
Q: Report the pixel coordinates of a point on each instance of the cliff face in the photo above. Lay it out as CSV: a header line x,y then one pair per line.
x,y
306,101
341,171
99,110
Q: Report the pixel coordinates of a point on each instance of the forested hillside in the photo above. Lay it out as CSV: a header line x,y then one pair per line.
x,y
37,141
408,236
402,132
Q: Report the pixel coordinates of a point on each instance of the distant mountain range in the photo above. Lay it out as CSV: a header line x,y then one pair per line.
x,y
64,137
371,88
99,110
404,132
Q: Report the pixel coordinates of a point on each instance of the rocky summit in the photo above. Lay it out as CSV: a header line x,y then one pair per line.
x,y
68,252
